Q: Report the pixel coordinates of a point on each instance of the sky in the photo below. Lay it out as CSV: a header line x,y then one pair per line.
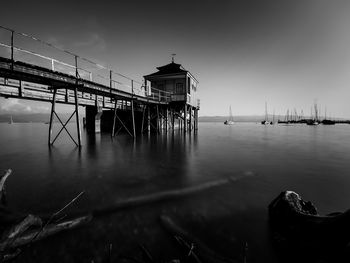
x,y
289,54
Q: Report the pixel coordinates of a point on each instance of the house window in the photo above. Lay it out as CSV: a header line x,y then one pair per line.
x,y
179,88
161,86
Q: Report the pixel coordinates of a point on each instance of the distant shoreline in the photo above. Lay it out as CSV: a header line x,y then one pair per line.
x,y
45,117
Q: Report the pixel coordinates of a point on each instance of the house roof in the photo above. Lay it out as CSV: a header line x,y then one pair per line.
x,y
171,68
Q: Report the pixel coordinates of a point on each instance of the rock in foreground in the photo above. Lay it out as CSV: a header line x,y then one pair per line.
x,y
297,227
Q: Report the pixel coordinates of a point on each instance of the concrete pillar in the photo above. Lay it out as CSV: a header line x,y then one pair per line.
x,y
93,118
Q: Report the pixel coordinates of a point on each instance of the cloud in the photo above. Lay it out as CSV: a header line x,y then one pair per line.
x,y
54,41
93,40
17,106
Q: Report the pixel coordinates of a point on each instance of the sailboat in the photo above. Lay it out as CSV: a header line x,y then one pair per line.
x,y
273,118
230,119
314,121
11,120
265,122
327,121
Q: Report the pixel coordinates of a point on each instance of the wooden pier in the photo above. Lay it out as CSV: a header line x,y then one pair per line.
x,y
166,100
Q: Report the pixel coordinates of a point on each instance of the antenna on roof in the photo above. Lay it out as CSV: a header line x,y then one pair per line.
x,y
172,57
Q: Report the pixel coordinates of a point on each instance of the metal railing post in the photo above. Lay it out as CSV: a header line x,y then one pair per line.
x,y
12,55
76,66
110,80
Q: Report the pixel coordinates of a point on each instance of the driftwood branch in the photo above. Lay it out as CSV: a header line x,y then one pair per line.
x,y
10,236
56,214
189,249
2,186
4,177
200,250
162,196
146,255
10,256
17,229
49,230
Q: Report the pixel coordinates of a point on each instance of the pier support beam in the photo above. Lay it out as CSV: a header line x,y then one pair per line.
x,y
185,118
53,108
114,117
190,127
93,118
133,118
20,89
148,119
172,119
157,116
166,119
64,124
143,118
121,120
195,119
77,115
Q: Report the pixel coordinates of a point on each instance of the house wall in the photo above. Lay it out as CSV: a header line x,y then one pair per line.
x,y
192,92
168,83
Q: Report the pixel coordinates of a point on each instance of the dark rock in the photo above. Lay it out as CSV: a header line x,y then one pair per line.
x,y
296,226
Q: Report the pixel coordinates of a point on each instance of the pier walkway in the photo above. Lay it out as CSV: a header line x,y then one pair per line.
x,y
32,75
33,69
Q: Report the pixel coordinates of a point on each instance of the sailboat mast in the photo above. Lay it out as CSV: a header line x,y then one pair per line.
x,y
316,112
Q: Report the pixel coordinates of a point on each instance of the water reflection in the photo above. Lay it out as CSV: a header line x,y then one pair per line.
x,y
310,160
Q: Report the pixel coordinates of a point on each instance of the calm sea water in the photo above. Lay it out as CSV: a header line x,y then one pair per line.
x,y
313,161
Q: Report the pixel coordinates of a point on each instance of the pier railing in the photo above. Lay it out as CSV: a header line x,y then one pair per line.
x,y
159,95
29,49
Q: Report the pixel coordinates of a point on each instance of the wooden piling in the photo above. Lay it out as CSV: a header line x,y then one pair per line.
x,y
166,119
157,108
133,118
114,117
149,120
77,115
53,105
76,101
190,127
143,118
185,117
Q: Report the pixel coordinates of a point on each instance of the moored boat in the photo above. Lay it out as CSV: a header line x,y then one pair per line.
x,y
230,119
312,122
328,122
266,121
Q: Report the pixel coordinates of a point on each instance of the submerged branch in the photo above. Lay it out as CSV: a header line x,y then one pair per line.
x,y
201,250
161,196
